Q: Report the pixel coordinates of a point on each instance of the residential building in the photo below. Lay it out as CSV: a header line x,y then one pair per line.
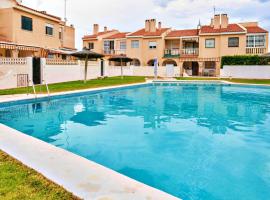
x,y
28,32
196,51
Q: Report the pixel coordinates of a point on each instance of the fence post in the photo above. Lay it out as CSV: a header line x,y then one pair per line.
x,y
29,63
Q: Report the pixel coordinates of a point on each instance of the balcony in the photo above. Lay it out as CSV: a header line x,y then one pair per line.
x,y
190,52
171,53
255,50
114,52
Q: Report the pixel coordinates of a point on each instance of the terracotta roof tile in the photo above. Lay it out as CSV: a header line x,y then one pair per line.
x,y
41,12
94,36
142,32
232,28
182,33
256,29
118,36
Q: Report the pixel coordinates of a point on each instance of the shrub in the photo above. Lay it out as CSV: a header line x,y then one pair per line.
x,y
244,60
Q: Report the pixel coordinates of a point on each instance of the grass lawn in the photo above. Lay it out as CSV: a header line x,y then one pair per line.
x,y
250,81
20,182
77,85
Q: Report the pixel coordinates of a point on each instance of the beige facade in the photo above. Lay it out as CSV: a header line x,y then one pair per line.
x,y
196,51
28,32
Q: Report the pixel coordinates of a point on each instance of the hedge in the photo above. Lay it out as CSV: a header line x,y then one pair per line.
x,y
245,60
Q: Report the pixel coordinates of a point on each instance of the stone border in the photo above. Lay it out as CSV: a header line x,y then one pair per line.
x,y
82,177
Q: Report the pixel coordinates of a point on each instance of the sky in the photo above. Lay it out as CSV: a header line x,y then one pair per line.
x,y
129,15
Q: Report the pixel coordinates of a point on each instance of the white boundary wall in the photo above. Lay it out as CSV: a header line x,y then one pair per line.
x,y
64,71
10,68
248,72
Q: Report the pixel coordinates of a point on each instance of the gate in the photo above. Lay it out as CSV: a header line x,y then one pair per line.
x,y
170,70
36,71
22,80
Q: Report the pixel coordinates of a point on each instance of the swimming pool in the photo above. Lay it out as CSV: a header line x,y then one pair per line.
x,y
194,141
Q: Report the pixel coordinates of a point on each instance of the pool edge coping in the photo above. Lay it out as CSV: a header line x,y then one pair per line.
x,y
85,179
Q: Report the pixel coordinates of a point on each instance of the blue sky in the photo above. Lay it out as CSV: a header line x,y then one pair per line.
x,y
129,15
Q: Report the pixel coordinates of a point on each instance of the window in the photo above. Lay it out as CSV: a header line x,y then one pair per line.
x,y
152,45
256,41
135,44
91,45
27,23
49,29
123,45
210,43
61,33
233,42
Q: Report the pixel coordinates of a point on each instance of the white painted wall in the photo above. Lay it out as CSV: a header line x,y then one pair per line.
x,y
57,73
248,72
9,72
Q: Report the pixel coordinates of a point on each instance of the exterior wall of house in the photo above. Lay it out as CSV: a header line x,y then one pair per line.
x,y
10,28
6,28
38,36
221,46
68,37
135,53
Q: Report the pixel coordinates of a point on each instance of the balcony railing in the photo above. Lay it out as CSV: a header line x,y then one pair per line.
x,y
190,51
172,53
256,50
114,52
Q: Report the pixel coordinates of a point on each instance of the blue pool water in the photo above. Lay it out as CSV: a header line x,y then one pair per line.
x,y
194,141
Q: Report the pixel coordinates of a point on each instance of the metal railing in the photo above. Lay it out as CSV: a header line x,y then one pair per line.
x,y
171,53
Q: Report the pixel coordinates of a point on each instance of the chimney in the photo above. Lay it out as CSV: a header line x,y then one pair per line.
x,y
153,25
224,21
159,25
212,22
217,21
95,29
147,25
105,29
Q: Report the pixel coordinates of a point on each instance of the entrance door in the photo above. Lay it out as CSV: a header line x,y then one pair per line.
x,y
195,69
170,70
36,71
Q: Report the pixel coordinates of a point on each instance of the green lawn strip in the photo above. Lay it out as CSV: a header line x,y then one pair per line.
x,y
249,81
77,85
20,182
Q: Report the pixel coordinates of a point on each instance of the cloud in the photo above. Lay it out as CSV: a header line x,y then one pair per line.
x,y
130,15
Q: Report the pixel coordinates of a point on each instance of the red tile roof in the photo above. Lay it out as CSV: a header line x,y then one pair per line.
x,y
118,36
142,32
94,36
182,33
232,28
41,12
256,29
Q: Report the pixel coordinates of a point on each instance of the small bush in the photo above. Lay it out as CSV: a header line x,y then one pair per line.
x,y
244,60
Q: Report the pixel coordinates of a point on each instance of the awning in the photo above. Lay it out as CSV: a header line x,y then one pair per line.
x,y
13,46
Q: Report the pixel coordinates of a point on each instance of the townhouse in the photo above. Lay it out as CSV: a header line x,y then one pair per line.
x,y
196,51
26,32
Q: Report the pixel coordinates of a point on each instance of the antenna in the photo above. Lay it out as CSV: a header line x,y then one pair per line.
x,y
65,11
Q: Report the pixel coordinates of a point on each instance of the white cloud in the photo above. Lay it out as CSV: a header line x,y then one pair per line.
x,y
129,15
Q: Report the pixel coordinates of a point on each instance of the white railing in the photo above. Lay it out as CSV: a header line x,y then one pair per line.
x,y
190,51
61,62
256,50
13,61
172,52
114,51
